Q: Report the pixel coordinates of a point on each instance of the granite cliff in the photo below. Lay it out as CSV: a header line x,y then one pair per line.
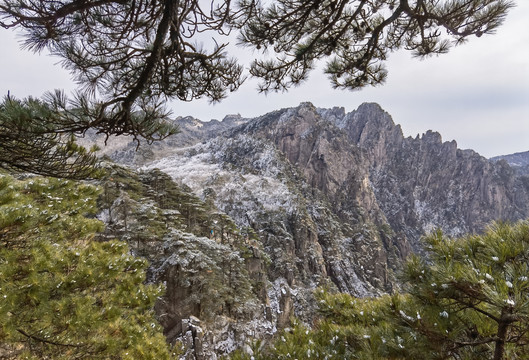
x,y
422,183
333,199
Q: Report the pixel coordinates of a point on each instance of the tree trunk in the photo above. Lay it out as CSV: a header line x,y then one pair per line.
x,y
501,335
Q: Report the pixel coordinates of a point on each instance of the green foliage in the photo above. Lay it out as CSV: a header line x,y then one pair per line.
x,y
63,294
349,328
469,300
193,248
143,207
357,36
34,139
476,291
213,275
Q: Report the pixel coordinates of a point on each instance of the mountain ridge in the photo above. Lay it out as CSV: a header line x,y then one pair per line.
x,y
518,161
335,199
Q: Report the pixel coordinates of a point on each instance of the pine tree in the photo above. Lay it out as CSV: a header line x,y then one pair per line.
x,y
213,276
356,37
475,292
64,295
33,139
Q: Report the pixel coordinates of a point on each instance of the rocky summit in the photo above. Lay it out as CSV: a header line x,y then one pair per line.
x,y
332,199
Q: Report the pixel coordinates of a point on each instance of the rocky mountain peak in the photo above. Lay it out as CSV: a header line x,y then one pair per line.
x,y
361,165
233,119
370,120
407,179
432,137
370,128
328,198
335,115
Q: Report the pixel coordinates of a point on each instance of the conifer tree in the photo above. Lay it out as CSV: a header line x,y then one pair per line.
x,y
213,275
356,37
33,140
64,295
475,293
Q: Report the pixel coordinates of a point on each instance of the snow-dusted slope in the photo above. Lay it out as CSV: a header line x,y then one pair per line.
x,y
518,161
334,199
344,197
253,182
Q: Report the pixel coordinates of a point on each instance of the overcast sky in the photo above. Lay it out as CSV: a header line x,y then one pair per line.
x,y
477,94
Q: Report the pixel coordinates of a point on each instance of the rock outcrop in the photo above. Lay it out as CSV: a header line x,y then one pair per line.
x,y
423,183
333,199
518,161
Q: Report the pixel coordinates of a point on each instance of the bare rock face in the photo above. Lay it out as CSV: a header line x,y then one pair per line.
x,y
336,172
424,183
342,198
334,199
518,161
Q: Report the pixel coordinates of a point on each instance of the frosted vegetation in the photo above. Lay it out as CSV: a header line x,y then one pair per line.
x,y
469,300
218,238
74,286
197,251
241,173
63,294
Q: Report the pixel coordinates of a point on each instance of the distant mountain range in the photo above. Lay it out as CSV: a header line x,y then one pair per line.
x,y
518,161
335,199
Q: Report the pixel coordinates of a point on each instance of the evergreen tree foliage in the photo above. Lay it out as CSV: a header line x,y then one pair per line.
x,y
64,295
213,274
356,37
468,300
349,328
475,292
136,53
33,139
193,248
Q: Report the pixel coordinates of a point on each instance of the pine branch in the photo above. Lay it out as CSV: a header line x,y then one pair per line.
x,y
45,341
